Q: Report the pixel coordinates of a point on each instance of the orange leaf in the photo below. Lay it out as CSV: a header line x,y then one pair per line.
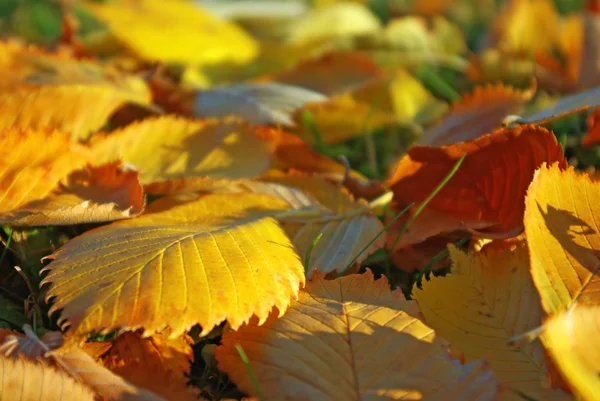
x,y
593,123
44,90
33,163
476,114
156,363
90,195
490,185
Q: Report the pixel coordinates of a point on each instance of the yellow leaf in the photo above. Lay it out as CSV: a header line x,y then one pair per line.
x,y
350,339
402,95
176,31
43,90
156,363
94,194
33,163
561,215
26,380
169,147
335,20
488,298
527,25
417,35
571,339
341,118
316,207
214,259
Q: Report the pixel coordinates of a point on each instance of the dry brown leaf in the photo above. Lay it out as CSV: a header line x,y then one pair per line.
x,y
108,385
476,114
28,345
43,90
491,183
155,363
90,195
561,225
29,171
593,124
322,349
488,298
332,73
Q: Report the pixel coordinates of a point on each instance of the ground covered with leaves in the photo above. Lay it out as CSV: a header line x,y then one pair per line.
x,y
294,200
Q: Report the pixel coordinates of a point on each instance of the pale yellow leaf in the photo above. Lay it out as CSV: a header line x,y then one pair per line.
x,y
176,31
335,20
488,298
202,262
350,339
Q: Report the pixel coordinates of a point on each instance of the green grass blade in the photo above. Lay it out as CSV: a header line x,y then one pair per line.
x,y
253,379
428,199
375,239
427,269
433,80
309,123
8,241
309,252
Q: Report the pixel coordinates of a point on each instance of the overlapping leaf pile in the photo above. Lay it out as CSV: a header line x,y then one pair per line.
x,y
207,202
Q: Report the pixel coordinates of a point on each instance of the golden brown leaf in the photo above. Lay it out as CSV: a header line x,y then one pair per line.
x,y
476,114
150,28
17,376
528,25
332,73
105,383
29,171
564,237
488,298
156,363
571,338
43,90
94,194
323,348
491,183
169,147
217,258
